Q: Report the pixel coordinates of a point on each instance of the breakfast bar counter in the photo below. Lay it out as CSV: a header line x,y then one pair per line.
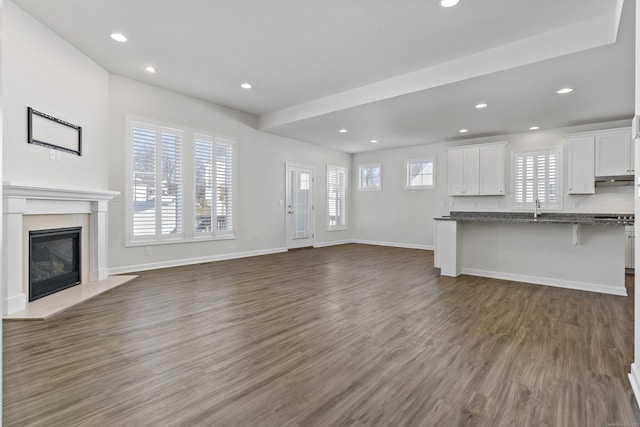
x,y
577,251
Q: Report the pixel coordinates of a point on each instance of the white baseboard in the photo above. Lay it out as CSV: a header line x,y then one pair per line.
x,y
334,243
393,244
558,283
190,261
14,303
634,378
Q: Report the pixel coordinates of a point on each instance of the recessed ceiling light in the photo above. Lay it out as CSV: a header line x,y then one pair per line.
x,y
463,130
150,69
481,105
565,90
374,141
534,128
246,86
343,131
118,37
449,3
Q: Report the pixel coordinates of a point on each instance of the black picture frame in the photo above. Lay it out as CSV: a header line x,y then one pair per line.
x,y
51,132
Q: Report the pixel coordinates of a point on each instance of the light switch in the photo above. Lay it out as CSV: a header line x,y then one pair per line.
x,y
52,154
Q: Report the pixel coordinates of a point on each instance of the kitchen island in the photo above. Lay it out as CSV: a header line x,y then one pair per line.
x,y
577,251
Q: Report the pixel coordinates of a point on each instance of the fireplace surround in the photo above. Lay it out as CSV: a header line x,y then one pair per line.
x,y
21,203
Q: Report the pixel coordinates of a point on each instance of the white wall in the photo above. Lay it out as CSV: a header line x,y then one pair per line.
x,y
260,186
42,71
1,152
405,217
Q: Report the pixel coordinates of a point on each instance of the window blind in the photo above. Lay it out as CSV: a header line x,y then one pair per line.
x,y
156,182
537,176
224,185
336,197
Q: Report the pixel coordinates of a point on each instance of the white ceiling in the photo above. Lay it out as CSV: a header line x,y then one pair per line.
x,y
405,72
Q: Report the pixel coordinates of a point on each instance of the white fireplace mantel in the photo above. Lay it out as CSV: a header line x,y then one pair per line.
x,y
20,200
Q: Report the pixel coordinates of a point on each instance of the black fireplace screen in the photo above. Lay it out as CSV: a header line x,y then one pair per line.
x,y
54,261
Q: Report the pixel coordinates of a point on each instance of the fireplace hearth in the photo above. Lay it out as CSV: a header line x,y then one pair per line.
x,y
54,261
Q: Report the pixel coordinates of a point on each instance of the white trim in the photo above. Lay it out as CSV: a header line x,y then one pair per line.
x,y
539,280
393,244
369,165
191,261
334,243
427,159
12,189
14,303
287,237
634,379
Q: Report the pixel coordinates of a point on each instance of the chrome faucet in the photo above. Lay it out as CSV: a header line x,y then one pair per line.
x,y
536,206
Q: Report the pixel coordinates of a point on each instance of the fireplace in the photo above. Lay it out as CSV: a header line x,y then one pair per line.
x,y
54,260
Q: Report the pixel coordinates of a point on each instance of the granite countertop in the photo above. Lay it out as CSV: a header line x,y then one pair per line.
x,y
543,218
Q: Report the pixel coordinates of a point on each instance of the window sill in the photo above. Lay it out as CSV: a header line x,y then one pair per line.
x,y
138,243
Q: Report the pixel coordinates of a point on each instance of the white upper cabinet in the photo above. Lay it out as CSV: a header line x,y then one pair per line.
x,y
614,152
581,164
492,160
477,170
464,164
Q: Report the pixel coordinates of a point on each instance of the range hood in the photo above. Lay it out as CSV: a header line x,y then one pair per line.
x,y
614,181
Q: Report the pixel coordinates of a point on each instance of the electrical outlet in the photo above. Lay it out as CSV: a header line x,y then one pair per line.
x,y
147,251
52,154
58,156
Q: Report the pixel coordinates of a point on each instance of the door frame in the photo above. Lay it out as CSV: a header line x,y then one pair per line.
x,y
287,200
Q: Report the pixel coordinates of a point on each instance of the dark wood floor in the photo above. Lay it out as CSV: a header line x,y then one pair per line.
x,y
351,335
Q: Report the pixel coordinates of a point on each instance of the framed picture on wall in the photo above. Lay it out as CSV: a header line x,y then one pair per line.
x,y
51,132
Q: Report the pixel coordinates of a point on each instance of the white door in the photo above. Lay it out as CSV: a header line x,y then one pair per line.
x,y
300,209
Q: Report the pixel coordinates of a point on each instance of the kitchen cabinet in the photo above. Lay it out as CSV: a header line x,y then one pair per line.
x,y
464,167
477,170
630,251
581,164
614,152
492,160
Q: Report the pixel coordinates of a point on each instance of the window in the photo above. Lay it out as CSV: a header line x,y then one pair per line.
x,y
537,176
336,197
214,185
370,177
156,179
165,206
420,174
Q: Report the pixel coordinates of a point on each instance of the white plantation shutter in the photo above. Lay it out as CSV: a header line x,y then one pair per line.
x,y
156,182
537,175
158,192
336,197
223,151
171,182
204,167
214,185
143,179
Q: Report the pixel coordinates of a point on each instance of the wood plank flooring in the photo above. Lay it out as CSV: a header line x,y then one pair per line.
x,y
351,335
